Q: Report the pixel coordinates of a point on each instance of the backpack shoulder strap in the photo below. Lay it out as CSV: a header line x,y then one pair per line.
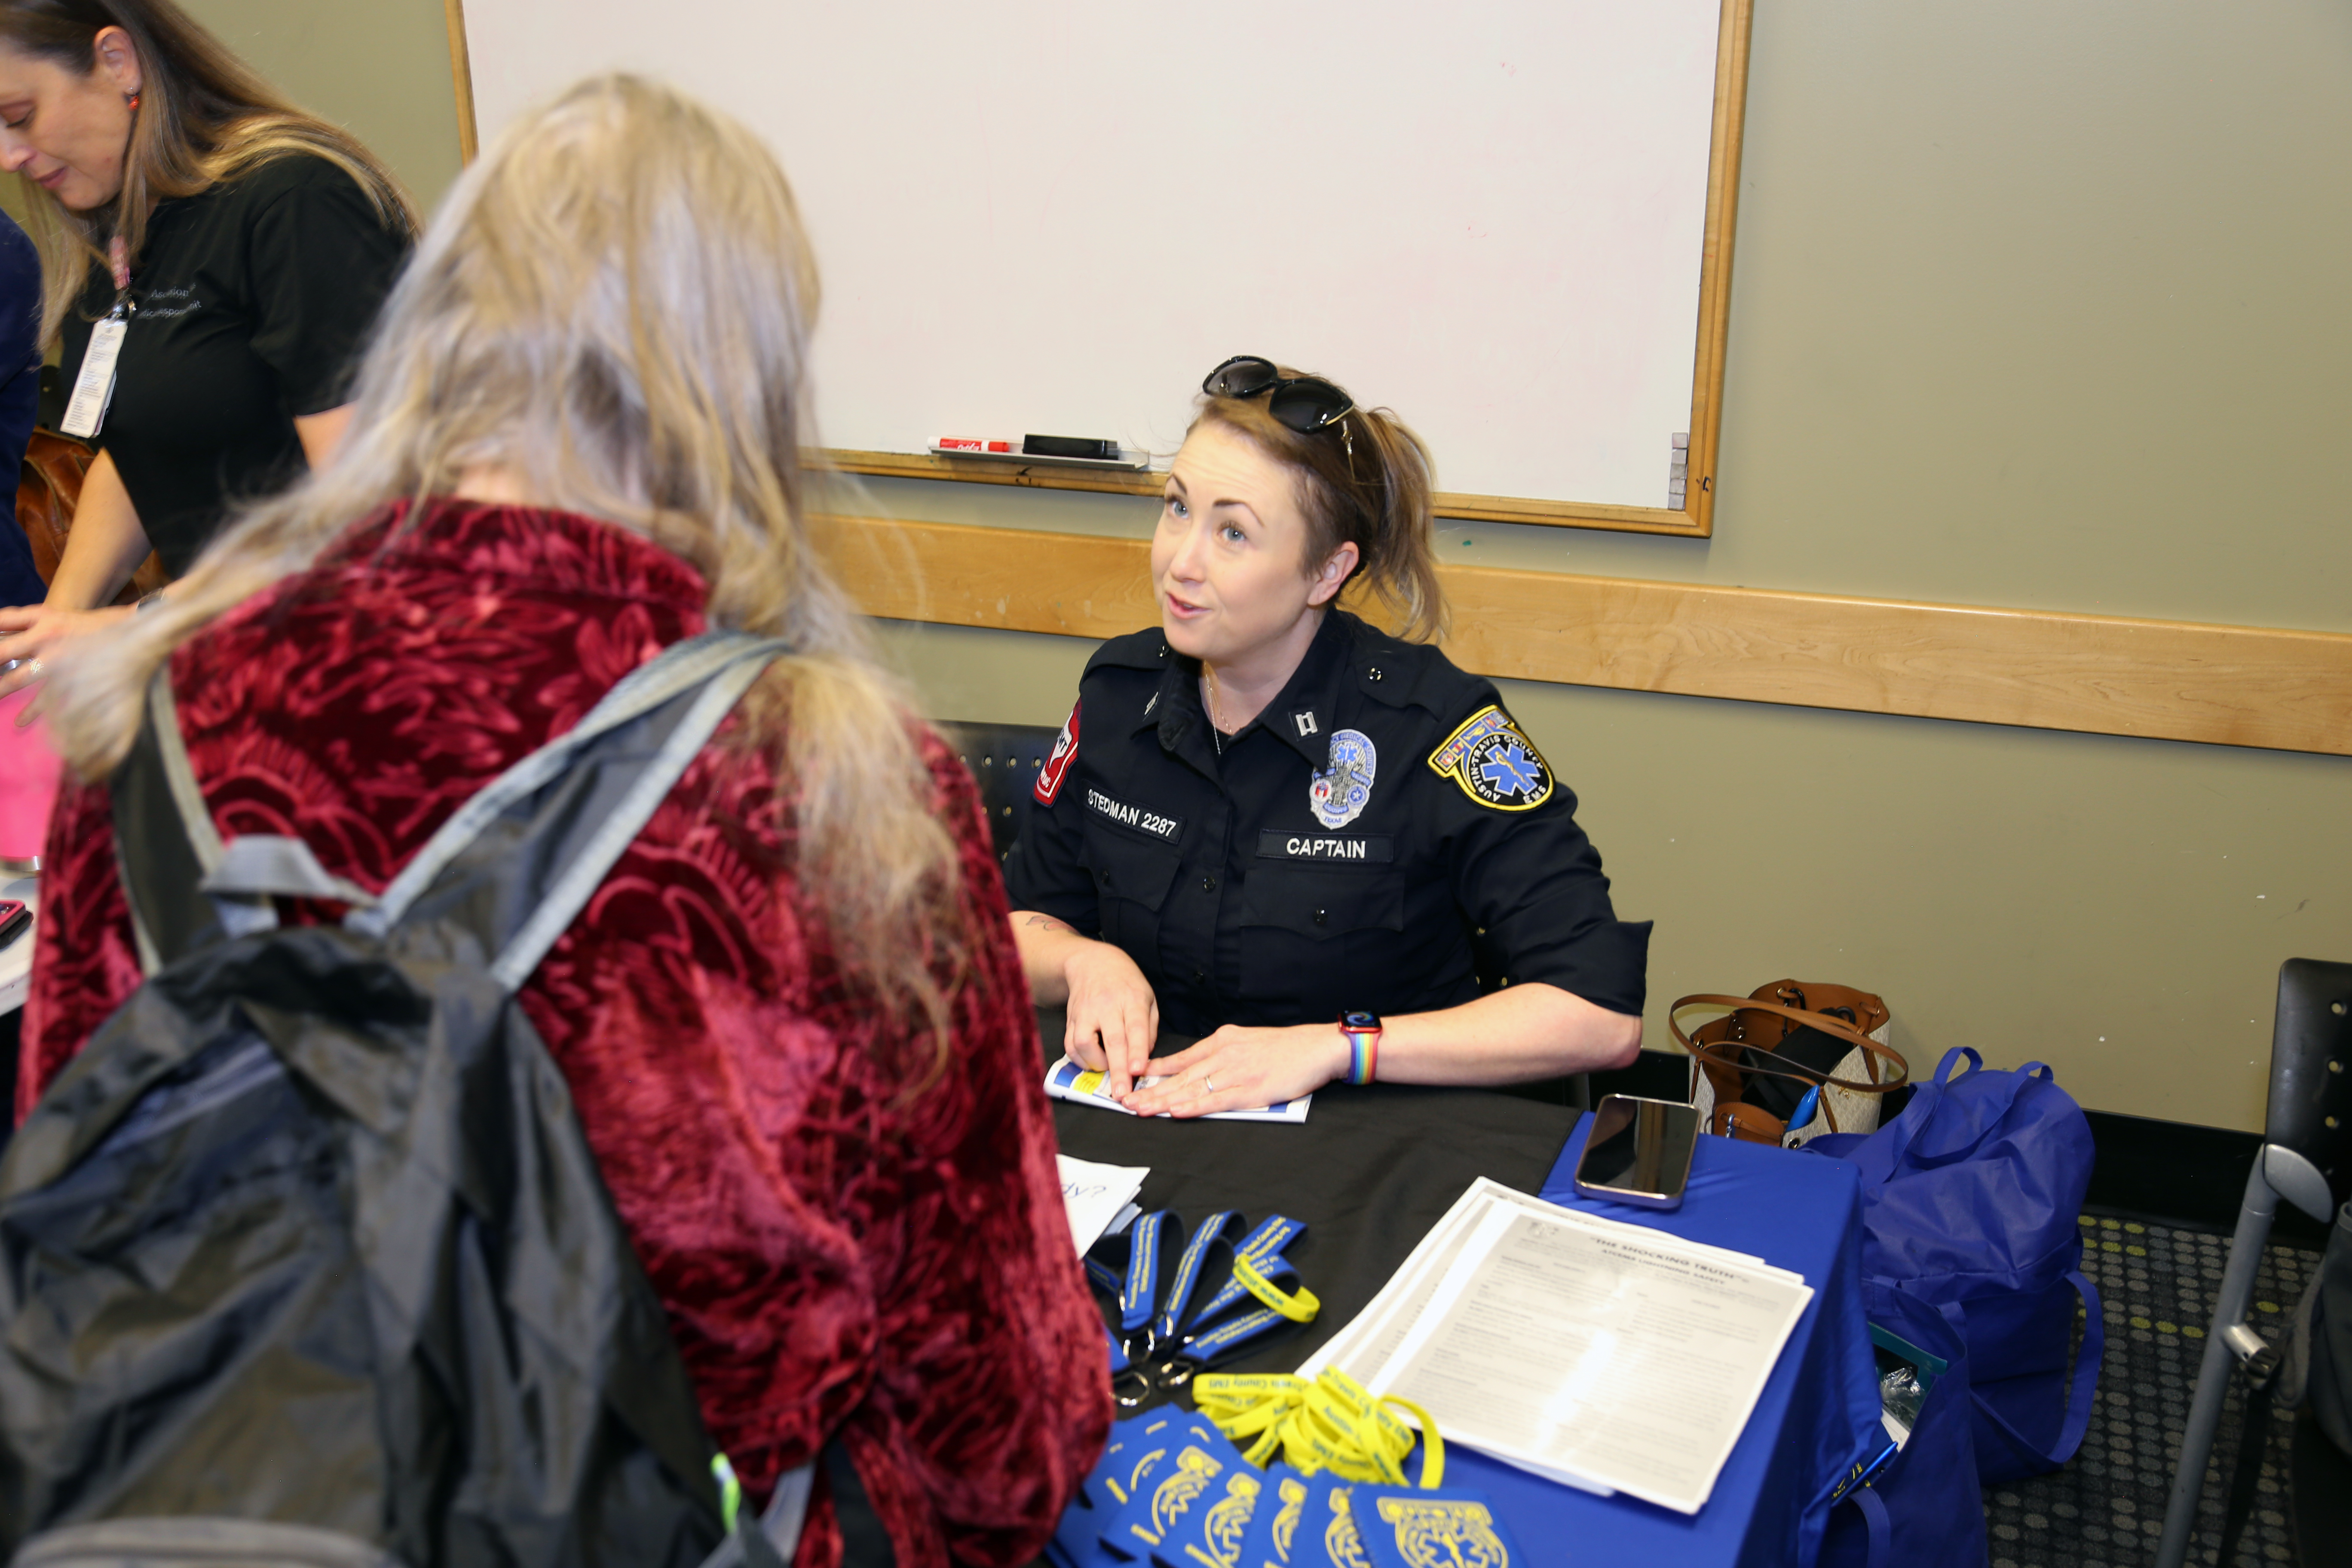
x,y
514,864
522,858
164,841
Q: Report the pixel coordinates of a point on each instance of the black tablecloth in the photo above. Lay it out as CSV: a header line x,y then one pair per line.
x,y
1369,1171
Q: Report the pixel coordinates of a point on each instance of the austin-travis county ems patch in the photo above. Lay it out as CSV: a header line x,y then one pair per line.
x,y
1494,764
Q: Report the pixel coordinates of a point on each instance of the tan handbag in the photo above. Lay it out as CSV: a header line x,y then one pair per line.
x,y
1779,1041
48,487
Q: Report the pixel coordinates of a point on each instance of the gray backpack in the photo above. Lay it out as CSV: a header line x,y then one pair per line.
x,y
304,1260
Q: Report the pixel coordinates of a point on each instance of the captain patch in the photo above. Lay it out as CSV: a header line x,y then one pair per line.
x,y
1066,752
1494,764
1274,843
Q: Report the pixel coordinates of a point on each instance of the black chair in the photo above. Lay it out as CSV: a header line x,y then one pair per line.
x,y
2302,1159
1004,760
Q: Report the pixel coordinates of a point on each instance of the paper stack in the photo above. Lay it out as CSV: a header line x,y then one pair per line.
x,y
1607,1357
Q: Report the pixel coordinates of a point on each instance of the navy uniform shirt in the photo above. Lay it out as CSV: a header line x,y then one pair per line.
x,y
1340,852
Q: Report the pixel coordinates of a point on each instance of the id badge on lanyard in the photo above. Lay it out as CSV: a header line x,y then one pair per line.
x,y
94,387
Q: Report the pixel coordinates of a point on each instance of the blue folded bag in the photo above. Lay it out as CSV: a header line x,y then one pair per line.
x,y
1922,1508
1971,1199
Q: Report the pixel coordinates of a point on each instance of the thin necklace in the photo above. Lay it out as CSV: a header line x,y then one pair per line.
x,y
1208,696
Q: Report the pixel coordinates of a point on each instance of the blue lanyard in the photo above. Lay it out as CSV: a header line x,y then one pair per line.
x,y
1229,1336
1188,1276
1263,1248
1139,1297
1154,1301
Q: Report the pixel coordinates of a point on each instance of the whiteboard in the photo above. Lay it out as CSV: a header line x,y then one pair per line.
x,y
1051,217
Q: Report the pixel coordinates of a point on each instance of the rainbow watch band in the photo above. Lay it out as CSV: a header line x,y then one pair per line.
x,y
1363,1032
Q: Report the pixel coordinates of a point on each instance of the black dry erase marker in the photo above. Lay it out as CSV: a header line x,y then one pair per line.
x,y
1068,446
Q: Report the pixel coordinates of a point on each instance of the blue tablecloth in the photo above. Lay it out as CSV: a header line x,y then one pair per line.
x,y
1819,1413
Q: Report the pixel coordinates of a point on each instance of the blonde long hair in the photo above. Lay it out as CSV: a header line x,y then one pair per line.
x,y
1364,481
202,117
614,305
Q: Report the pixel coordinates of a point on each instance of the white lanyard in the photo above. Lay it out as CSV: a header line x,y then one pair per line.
x,y
94,387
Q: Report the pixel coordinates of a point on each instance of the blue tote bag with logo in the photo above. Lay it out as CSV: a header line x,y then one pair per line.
x,y
1970,1200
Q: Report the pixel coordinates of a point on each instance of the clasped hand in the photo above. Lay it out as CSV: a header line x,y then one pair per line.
x,y
1239,1069
1113,1021
33,633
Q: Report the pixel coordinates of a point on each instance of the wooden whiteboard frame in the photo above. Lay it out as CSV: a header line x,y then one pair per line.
x,y
2241,686
1695,519
461,70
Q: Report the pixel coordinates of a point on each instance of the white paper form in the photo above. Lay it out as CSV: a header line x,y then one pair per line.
x,y
1363,1348
1068,1081
1097,1194
1571,1350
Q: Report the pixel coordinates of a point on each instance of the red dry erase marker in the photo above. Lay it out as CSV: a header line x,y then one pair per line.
x,y
959,442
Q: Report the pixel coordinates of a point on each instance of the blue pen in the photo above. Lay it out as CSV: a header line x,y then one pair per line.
x,y
1877,1464
1807,1109
1863,1473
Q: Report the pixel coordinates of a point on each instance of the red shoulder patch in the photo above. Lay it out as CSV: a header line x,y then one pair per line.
x,y
1066,752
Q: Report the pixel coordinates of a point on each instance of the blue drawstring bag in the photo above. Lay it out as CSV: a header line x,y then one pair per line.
x,y
1971,1199
1923,1508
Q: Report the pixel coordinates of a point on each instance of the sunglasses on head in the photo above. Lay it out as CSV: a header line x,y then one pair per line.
x,y
1304,403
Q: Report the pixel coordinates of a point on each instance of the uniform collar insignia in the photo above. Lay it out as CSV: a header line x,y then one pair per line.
x,y
1308,706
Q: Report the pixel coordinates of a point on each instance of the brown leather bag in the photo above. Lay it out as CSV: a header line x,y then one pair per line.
x,y
1729,1052
48,487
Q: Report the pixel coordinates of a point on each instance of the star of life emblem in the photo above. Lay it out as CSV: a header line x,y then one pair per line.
x,y
1495,763
1339,793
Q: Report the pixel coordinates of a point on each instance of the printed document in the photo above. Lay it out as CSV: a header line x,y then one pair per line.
x,y
1596,1350
1363,1348
1596,1353
1068,1081
1098,1197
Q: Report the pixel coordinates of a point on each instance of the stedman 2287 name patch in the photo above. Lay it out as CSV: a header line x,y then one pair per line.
x,y
1494,764
1139,819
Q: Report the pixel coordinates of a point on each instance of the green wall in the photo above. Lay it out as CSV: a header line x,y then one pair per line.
x,y
379,68
2036,302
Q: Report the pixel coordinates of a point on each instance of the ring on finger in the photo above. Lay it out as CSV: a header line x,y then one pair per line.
x,y
1209,1083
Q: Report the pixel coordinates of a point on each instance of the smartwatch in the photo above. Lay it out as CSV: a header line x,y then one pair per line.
x,y
1363,1032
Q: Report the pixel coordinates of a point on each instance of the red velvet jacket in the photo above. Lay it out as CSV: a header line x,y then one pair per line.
x,y
831,1258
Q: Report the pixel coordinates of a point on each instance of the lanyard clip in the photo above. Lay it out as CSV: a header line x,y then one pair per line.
x,y
1133,1389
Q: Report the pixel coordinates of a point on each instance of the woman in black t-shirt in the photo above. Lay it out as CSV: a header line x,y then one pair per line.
x,y
241,248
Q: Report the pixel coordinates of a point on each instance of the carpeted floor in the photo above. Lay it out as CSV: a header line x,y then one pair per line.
x,y
2107,1507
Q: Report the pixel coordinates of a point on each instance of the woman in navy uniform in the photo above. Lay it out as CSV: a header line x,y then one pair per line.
x,y
1270,825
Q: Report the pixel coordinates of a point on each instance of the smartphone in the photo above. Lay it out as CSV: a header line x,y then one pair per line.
x,y
16,920
1639,1151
